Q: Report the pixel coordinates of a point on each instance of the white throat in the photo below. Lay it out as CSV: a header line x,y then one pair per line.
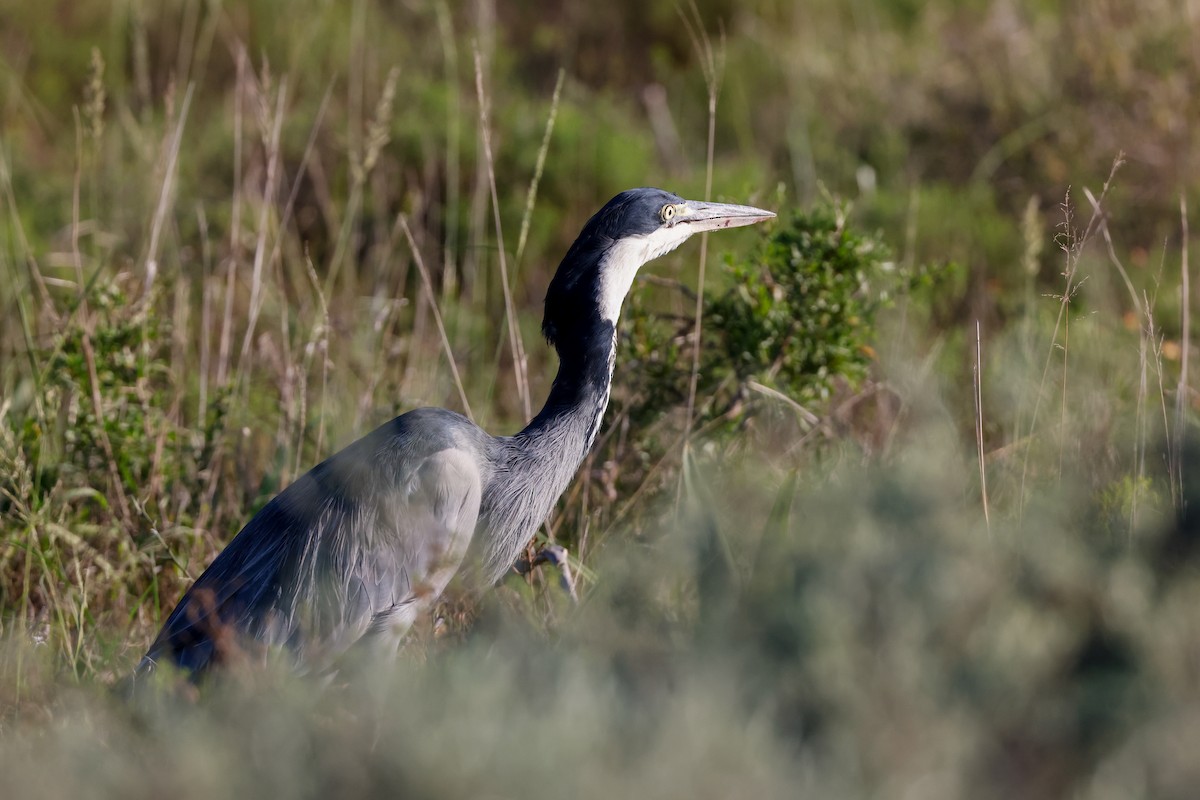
x,y
625,258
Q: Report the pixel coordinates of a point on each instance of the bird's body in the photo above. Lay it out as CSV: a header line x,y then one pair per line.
x,y
351,553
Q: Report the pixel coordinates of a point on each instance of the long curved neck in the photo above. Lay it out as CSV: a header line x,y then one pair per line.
x,y
582,305
567,424
542,459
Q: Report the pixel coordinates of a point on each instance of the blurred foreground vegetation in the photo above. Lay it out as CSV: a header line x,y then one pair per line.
x,y
928,529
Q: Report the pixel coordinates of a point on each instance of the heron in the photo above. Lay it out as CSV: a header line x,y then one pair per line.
x,y
348,556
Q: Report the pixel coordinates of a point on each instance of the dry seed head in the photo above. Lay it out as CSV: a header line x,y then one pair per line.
x,y
262,106
379,131
1031,232
94,96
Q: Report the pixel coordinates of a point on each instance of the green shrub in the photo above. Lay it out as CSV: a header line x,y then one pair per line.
x,y
801,311
798,316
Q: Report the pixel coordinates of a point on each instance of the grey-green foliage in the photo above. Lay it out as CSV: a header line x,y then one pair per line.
x,y
846,635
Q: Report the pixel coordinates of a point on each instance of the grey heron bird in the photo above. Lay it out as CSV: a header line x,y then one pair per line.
x,y
350,554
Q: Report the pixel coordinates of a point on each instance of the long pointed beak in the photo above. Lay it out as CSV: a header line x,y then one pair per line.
x,y
699,216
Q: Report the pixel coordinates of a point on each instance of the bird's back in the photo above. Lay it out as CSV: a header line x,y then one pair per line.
x,y
354,548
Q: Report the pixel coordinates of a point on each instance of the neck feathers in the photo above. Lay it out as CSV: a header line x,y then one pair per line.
x,y
582,306
579,394
542,459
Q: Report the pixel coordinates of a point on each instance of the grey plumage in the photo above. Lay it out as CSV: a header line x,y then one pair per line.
x,y
351,553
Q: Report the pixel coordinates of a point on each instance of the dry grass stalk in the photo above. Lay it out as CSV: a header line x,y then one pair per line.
x,y
1072,245
1143,311
713,64
264,215
235,224
531,195
437,315
520,365
978,374
165,197
1182,392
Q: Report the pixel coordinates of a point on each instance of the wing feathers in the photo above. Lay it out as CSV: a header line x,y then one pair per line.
x,y
348,550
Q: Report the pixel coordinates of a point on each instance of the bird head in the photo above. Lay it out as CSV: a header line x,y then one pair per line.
x,y
634,227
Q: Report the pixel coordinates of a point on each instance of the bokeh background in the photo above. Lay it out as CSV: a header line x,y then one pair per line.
x,y
925,526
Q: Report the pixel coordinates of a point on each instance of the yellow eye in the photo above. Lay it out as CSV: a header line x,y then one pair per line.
x,y
667,212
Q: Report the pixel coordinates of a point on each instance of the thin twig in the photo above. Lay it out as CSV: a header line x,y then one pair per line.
x,y
1181,393
235,224
453,137
1156,343
1139,424
264,216
76,257
114,473
207,291
1072,250
531,195
290,207
979,424
520,369
164,197
437,315
318,338
18,227
713,67
811,419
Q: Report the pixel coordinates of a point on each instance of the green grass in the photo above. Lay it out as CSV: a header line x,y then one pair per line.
x,y
791,585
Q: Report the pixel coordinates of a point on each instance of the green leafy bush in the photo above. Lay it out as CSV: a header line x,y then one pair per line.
x,y
801,311
798,316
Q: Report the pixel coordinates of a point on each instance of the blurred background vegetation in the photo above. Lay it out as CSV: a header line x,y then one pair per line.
x,y
928,530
